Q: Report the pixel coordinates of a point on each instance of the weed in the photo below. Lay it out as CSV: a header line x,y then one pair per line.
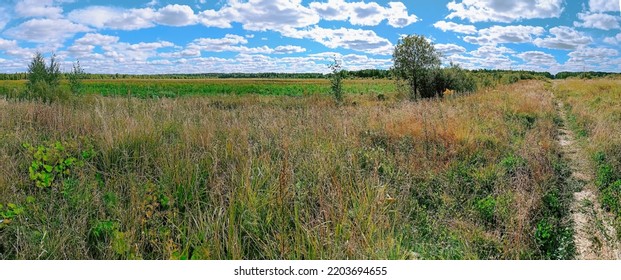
x,y
487,208
49,163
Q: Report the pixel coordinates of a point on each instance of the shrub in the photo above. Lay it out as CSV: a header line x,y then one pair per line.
x,y
336,80
49,163
487,208
75,78
44,81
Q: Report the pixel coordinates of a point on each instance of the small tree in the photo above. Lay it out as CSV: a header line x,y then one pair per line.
x,y
415,60
75,78
336,80
44,81
37,72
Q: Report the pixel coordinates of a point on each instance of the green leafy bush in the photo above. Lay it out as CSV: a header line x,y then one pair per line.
x,y
49,163
487,208
9,212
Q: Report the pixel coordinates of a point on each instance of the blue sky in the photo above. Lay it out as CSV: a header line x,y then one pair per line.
x,y
199,36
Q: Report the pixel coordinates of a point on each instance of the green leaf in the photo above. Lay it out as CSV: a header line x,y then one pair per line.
x,y
30,199
48,168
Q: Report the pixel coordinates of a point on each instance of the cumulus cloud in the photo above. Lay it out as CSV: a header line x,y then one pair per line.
x,y
614,40
538,58
455,27
485,57
103,17
114,18
236,43
4,17
7,45
47,31
353,39
504,11
593,53
597,21
96,39
449,49
38,8
505,34
261,15
363,13
563,38
590,58
604,6
176,15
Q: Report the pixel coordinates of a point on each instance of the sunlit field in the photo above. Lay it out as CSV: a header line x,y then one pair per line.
x,y
595,114
286,173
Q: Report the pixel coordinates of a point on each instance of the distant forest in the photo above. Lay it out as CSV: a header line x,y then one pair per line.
x,y
361,74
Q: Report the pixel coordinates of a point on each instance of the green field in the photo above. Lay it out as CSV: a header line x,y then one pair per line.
x,y
146,88
271,176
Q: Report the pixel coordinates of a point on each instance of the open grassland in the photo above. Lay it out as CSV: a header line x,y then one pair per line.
x,y
284,177
149,88
594,108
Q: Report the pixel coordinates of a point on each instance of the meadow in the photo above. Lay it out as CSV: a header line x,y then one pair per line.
x,y
594,107
170,88
284,174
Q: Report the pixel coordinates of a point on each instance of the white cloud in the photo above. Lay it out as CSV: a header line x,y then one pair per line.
x,y
235,43
288,49
5,17
604,6
38,8
590,57
449,49
504,10
261,15
593,53
398,15
176,15
598,21
485,57
7,45
96,39
505,34
114,18
353,39
363,13
538,58
133,19
613,40
455,27
131,53
46,31
564,38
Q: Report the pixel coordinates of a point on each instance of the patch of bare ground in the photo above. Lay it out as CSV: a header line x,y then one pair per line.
x,y
594,235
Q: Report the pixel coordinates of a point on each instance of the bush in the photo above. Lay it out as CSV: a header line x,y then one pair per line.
x,y
75,78
44,81
453,79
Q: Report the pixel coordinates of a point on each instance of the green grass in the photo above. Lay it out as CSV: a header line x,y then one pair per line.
x,y
208,87
286,177
594,112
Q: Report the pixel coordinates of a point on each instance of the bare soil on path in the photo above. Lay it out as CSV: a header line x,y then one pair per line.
x,y
594,235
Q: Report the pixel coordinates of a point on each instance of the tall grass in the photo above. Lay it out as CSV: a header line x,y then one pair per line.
x,y
266,177
595,114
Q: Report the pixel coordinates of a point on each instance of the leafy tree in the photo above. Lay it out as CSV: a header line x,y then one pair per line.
x,y
336,80
415,59
453,78
75,78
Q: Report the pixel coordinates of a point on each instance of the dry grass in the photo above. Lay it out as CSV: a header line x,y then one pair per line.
x,y
594,108
260,177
